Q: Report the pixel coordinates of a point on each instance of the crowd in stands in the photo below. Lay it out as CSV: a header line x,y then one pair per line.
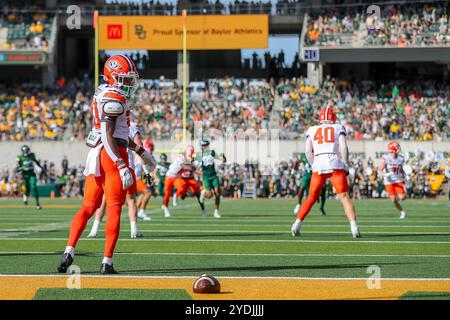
x,y
370,111
28,29
29,112
399,25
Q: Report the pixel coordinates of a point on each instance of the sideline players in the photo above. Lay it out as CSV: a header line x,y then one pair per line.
x,y
326,150
25,165
391,166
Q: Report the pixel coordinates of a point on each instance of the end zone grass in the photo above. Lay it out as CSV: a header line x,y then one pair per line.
x,y
252,241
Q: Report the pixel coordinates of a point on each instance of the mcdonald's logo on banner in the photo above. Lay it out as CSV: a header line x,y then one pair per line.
x,y
114,32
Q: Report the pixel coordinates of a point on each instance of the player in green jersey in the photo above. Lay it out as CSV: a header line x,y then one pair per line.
x,y
25,165
161,169
304,185
210,178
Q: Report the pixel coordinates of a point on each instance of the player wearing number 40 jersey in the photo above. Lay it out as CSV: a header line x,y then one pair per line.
x,y
327,152
391,166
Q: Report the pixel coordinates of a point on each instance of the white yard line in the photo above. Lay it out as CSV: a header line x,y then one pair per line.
x,y
245,254
225,277
355,241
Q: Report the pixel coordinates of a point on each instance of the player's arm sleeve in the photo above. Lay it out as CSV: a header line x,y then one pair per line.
x,y
343,149
309,150
110,111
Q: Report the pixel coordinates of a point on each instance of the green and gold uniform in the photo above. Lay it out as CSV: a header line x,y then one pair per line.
x,y
161,170
210,178
25,165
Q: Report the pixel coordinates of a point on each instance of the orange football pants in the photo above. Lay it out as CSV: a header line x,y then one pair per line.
x,y
338,180
395,189
168,185
110,184
184,184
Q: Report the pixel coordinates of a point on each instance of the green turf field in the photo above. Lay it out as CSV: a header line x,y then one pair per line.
x,y
252,239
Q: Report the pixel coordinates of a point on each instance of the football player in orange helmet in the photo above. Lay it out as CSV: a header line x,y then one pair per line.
x,y
391,167
107,171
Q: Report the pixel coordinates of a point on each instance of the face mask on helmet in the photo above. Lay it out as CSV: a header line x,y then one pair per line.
x,y
128,83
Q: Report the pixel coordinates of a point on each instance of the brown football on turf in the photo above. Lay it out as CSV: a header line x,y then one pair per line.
x,y
206,284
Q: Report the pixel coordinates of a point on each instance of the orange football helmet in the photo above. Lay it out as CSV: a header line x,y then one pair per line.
x,y
393,146
120,72
327,115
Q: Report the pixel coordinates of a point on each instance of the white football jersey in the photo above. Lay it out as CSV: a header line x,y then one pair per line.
x,y
176,170
393,169
103,94
325,141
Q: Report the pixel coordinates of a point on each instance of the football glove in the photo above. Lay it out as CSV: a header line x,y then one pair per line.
x,y
125,174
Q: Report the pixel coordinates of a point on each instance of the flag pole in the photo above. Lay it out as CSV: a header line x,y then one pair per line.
x,y
96,71
184,14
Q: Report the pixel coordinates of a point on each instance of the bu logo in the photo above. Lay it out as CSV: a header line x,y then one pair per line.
x,y
114,31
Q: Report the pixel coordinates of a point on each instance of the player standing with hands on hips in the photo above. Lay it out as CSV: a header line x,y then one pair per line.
x,y
326,150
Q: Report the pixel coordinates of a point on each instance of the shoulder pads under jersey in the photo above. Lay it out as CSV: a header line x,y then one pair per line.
x,y
112,108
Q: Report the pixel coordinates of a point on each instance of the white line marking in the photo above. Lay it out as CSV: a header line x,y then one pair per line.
x,y
280,232
225,277
355,241
245,254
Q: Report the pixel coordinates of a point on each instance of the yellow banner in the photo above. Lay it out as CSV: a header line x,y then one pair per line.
x,y
204,32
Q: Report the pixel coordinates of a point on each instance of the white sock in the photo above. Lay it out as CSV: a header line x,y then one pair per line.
x,y
107,260
95,226
216,211
353,225
25,198
71,250
298,221
133,226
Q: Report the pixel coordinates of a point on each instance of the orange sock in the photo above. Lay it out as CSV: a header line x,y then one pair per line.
x,y
112,228
306,207
79,222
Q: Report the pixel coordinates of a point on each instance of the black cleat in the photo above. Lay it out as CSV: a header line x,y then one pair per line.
x,y
107,269
322,211
65,263
38,207
25,203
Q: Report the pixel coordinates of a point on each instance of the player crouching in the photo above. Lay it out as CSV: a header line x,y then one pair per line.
x,y
391,166
326,150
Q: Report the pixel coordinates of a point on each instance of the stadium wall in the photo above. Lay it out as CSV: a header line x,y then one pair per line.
x,y
265,151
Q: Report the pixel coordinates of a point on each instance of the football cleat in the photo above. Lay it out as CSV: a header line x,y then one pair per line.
x,y
136,235
204,213
65,263
356,235
217,215
297,207
295,229
92,235
38,207
402,215
107,269
322,211
25,203
143,215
